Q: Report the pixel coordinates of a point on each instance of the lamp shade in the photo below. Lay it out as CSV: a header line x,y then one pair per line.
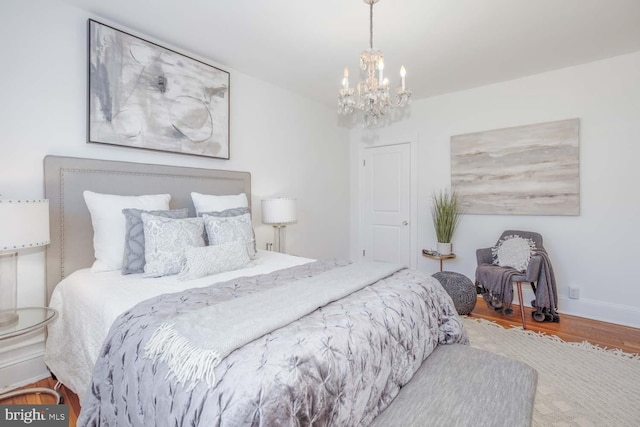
x,y
280,210
23,224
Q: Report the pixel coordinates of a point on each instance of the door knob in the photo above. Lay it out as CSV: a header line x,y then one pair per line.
x,y
405,222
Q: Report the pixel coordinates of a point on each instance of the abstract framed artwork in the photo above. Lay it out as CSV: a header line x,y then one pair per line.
x,y
524,170
147,96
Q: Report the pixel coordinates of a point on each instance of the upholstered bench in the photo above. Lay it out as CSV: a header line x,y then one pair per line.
x,y
462,386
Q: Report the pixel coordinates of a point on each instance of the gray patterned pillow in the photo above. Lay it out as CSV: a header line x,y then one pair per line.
x,y
230,229
133,261
234,212
208,260
165,241
227,213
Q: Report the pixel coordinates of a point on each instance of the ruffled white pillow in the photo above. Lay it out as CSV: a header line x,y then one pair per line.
x,y
513,251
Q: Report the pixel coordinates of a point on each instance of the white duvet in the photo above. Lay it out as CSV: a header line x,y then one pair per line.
x,y
88,303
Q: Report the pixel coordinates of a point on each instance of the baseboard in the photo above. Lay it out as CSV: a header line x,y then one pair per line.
x,y
604,312
590,309
22,365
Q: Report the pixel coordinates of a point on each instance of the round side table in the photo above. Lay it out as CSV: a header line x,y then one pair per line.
x,y
29,319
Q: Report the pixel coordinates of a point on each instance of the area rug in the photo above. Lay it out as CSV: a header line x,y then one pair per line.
x,y
579,384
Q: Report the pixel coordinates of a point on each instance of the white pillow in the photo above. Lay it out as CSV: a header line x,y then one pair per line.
x,y
165,240
208,260
230,229
211,203
513,251
109,224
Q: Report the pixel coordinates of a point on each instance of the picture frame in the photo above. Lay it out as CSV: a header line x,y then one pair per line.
x,y
144,95
524,170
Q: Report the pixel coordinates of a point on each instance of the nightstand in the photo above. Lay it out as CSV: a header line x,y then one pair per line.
x,y
437,256
29,319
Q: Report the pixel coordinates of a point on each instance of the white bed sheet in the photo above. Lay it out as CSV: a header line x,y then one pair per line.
x,y
88,303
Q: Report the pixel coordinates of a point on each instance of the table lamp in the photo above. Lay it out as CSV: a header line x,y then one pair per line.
x,y
279,212
23,224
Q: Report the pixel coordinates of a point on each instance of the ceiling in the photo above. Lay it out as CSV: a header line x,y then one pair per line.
x,y
445,45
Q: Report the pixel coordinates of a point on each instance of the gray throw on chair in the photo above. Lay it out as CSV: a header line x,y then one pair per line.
x,y
496,283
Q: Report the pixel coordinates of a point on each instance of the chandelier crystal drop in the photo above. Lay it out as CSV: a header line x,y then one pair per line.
x,y
371,96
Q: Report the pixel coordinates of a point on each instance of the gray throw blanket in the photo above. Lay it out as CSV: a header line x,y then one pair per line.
x,y
546,289
194,343
497,285
340,365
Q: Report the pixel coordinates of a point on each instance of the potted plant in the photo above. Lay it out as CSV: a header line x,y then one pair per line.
x,y
446,212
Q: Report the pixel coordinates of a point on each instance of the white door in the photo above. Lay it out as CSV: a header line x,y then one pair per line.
x,y
387,204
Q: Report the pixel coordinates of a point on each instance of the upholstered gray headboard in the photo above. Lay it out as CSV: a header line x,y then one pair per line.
x,y
66,178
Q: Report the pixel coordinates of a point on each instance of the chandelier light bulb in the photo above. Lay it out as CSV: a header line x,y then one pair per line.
x,y
345,80
403,73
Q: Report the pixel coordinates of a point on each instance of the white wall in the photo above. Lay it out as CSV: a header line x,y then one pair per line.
x,y
291,145
597,251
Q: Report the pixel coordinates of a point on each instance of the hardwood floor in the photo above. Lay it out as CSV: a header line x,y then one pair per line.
x,y
570,328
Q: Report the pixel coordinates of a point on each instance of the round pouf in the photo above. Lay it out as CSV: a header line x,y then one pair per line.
x,y
460,288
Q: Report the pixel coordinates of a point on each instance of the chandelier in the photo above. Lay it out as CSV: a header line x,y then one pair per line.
x,y
371,96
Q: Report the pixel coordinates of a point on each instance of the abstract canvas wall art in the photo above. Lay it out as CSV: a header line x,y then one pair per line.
x,y
525,170
146,96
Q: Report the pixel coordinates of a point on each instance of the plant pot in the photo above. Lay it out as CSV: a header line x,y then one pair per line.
x,y
444,248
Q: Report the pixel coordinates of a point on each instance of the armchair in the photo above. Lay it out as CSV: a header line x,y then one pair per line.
x,y
496,282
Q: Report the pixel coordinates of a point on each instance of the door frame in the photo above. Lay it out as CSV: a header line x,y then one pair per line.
x,y
357,199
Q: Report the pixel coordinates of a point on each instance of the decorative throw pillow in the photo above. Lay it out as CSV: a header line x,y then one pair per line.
x,y
227,212
230,229
133,261
109,224
211,203
165,241
235,212
513,251
208,260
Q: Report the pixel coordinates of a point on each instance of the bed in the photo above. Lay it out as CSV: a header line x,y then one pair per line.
x,y
340,362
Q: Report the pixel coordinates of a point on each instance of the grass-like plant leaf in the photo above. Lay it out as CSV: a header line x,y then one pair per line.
x,y
446,212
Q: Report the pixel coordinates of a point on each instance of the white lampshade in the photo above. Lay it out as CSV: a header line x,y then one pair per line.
x,y
280,210
23,224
